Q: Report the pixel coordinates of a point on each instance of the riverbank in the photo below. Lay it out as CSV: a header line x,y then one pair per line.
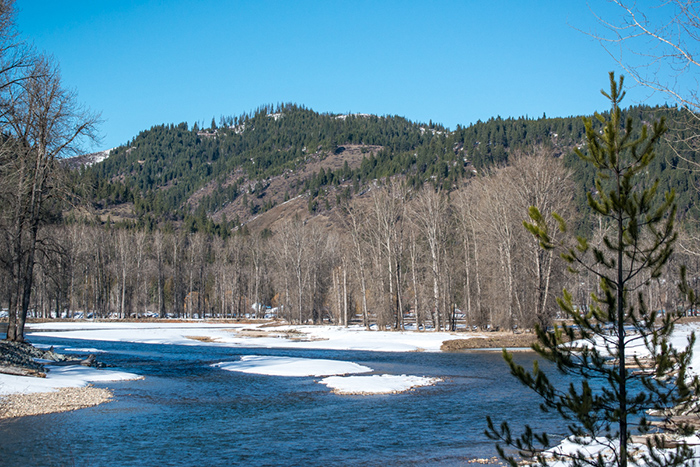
x,y
491,340
279,335
26,396
63,400
36,381
247,335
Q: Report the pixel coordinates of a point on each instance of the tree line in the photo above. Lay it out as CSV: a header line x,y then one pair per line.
x,y
397,256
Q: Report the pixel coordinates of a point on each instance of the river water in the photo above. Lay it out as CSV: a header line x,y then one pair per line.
x,y
187,413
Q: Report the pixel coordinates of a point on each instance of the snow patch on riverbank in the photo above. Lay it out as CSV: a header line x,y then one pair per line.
x,y
70,376
291,366
235,335
635,346
143,333
591,448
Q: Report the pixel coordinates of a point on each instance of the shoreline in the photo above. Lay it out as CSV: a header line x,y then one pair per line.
x,y
37,381
62,400
53,400
490,341
66,399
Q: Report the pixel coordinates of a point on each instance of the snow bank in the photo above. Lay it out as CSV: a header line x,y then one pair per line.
x,y
591,448
294,337
679,340
144,333
291,366
376,384
71,376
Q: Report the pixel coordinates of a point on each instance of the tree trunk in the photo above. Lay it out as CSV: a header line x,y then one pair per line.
x,y
345,293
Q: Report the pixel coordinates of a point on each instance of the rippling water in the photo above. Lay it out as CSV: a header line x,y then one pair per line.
x,y
186,413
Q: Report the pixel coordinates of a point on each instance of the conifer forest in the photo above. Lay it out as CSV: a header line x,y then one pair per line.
x,y
321,218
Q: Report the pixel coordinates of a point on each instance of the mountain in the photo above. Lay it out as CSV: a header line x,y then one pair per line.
x,y
86,160
285,160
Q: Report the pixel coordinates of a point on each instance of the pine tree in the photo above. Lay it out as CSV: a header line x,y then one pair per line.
x,y
611,400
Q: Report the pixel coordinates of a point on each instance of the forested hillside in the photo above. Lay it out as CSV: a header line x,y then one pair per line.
x,y
340,218
219,177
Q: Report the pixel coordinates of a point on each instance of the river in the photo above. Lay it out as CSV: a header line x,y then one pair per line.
x,y
187,413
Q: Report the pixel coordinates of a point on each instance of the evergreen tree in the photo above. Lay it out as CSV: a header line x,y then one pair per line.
x,y
611,400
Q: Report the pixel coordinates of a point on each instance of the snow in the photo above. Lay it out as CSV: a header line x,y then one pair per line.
x,y
73,376
251,336
332,369
287,336
679,340
344,116
100,156
234,335
291,366
94,158
376,384
592,447
145,333
587,446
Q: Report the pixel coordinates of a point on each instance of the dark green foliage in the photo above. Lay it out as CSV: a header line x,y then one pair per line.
x,y
163,167
168,163
611,400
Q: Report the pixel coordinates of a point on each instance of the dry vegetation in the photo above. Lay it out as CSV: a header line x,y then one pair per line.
x,y
494,340
285,183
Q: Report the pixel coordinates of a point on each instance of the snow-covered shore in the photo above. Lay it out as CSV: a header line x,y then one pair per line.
x,y
17,391
260,336
250,335
63,389
73,376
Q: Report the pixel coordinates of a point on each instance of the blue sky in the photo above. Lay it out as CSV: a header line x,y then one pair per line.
x,y
143,63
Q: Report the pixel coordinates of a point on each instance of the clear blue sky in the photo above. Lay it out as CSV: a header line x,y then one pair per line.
x,y
143,63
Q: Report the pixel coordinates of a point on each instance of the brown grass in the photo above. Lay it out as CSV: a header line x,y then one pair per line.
x,y
201,338
495,340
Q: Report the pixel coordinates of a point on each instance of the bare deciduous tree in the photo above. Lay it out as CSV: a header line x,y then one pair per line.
x,y
658,45
358,231
540,180
41,123
429,213
388,212
466,213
